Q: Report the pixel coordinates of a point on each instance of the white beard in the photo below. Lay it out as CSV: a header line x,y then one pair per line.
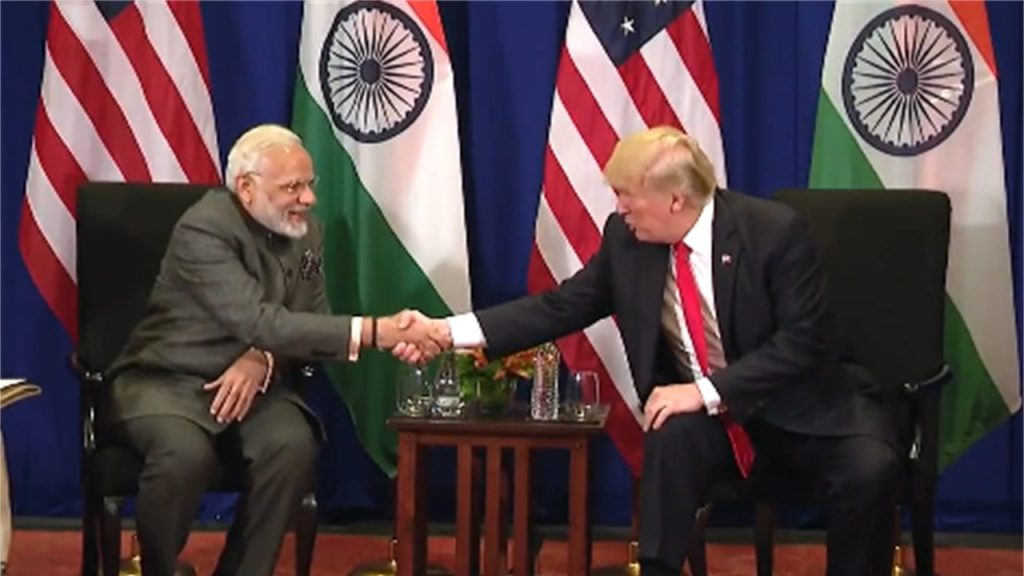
x,y
275,220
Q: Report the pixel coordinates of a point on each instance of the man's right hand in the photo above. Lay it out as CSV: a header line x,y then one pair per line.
x,y
413,337
237,386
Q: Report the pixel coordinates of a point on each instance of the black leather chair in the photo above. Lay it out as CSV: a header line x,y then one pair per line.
x,y
885,255
123,230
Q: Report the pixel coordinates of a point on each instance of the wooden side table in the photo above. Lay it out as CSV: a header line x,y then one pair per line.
x,y
514,432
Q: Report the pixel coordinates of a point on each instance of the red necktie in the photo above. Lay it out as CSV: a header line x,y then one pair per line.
x,y
689,297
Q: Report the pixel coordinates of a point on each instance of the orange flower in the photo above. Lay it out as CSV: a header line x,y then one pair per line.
x,y
474,363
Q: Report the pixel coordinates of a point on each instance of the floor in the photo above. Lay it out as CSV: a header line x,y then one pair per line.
x,y
56,553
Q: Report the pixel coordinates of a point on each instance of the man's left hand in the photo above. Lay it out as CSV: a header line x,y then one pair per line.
x,y
665,401
237,386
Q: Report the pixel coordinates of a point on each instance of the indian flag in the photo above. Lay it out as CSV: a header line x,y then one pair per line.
x,y
375,105
909,99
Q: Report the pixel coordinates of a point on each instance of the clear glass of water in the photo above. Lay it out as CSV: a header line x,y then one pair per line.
x,y
582,396
448,402
413,396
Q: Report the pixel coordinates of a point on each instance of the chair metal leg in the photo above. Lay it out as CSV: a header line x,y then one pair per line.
x,y
90,541
896,563
764,538
110,535
922,517
923,479
697,557
305,535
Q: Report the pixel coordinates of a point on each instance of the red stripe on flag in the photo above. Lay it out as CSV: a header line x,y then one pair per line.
x,y
646,93
586,115
583,234
60,165
695,50
81,75
579,354
190,20
538,279
53,282
168,107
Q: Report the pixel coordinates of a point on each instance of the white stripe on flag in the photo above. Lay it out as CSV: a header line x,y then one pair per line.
x,y
167,39
685,98
600,75
698,12
106,53
74,127
580,167
55,222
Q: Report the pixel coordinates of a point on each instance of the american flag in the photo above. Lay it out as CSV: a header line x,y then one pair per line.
x,y
125,97
625,66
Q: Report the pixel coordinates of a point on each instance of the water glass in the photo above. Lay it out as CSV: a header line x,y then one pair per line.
x,y
582,396
412,392
448,402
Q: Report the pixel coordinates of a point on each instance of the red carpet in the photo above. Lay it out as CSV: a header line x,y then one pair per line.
x,y
56,553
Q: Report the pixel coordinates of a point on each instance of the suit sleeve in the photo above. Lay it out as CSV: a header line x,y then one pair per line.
x,y
578,302
210,268
795,350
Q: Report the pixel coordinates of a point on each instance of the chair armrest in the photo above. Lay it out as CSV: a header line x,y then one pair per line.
x,y
937,380
924,398
92,380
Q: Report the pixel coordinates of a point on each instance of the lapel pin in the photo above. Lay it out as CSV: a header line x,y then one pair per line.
x,y
311,265
726,259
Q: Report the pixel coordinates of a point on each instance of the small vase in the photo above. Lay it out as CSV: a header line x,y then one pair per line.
x,y
494,396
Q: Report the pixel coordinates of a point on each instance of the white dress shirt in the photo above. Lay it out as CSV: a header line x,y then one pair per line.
x,y
698,240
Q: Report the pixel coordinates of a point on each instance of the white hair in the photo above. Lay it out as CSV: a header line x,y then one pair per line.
x,y
248,150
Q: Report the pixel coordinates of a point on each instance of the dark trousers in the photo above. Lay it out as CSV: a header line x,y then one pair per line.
x,y
277,448
857,476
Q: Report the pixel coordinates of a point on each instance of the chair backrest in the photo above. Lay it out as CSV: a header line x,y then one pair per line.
x,y
884,253
122,234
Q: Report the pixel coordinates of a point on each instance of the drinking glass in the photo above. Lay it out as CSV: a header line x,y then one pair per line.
x,y
412,392
448,402
582,396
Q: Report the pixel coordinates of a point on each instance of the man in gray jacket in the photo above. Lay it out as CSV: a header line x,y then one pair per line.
x,y
238,302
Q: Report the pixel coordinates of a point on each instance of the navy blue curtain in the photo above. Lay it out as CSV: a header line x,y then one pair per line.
x,y
768,56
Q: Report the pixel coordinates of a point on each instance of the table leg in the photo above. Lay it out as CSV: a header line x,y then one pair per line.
x,y
467,530
411,506
579,521
494,518
522,560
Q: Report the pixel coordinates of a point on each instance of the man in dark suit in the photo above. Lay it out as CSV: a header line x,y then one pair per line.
x,y
739,346
238,303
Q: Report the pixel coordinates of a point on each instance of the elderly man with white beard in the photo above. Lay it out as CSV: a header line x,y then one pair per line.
x,y
238,303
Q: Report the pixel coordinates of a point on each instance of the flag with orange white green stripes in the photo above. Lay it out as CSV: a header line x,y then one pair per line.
x,y
909,99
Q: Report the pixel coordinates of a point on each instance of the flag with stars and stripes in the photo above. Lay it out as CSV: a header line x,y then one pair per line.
x,y
125,97
625,66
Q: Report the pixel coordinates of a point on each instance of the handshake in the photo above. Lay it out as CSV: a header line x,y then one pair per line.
x,y
411,336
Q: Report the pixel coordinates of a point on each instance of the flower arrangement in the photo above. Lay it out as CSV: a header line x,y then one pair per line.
x,y
492,382
473,364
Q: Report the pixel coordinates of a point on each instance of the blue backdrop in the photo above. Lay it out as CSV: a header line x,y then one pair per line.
x,y
769,58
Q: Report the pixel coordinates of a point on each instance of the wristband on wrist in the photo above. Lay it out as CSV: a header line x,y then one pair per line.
x,y
270,371
373,332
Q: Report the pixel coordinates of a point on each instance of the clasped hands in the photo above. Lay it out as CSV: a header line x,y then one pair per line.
x,y
413,337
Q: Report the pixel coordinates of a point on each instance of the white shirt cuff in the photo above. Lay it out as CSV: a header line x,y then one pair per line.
x,y
712,401
466,331
355,338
